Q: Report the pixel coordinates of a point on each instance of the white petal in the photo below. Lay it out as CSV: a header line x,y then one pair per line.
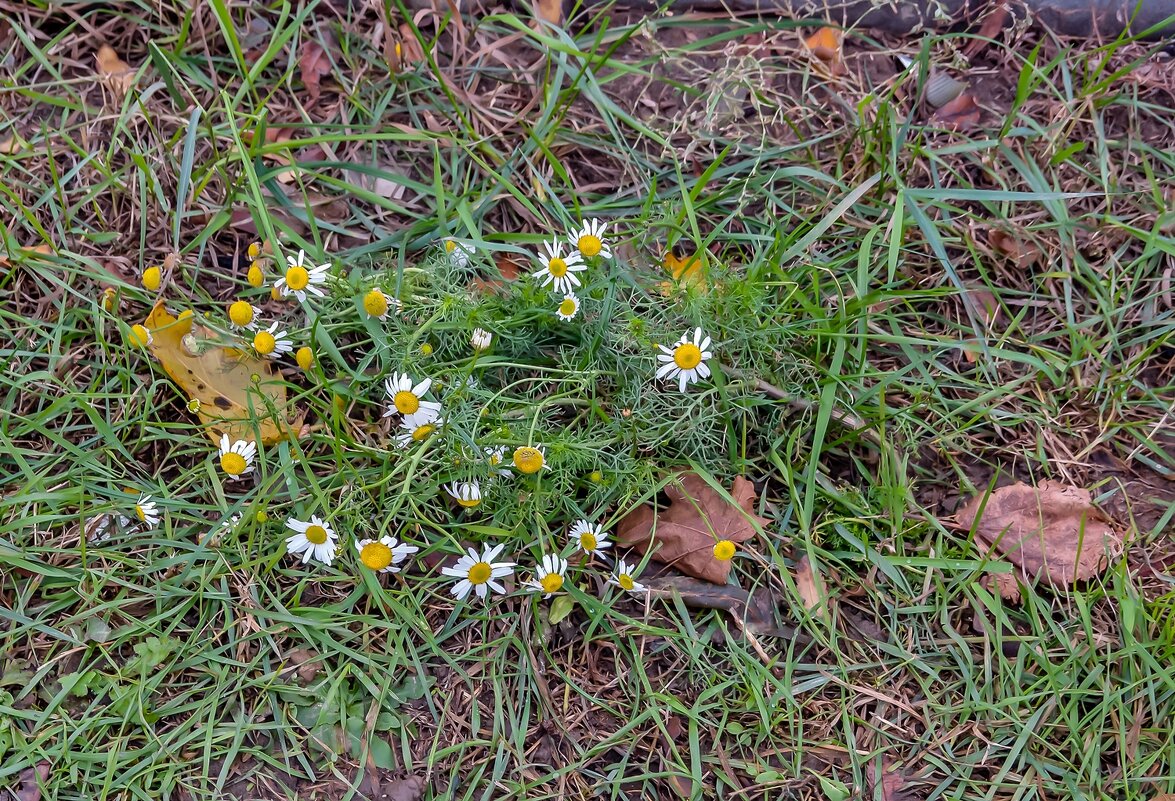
x,y
498,588
491,553
704,344
667,370
703,370
681,380
480,589
461,589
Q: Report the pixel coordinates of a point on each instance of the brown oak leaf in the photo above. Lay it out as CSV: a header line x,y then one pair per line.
x,y
698,516
1052,532
960,114
314,64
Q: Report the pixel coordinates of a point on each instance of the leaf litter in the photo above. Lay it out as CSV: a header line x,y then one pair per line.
x,y
1052,533
698,516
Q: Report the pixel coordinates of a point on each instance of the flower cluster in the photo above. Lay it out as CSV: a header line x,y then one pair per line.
x,y
558,269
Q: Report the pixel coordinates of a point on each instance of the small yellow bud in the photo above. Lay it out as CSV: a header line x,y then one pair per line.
x,y
261,516
139,336
596,477
305,358
194,406
276,294
152,278
254,250
186,314
426,349
109,299
240,312
255,277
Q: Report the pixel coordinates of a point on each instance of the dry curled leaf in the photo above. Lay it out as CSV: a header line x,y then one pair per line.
x,y
237,391
827,45
314,63
959,114
688,269
28,784
1013,247
698,516
1052,532
116,72
813,592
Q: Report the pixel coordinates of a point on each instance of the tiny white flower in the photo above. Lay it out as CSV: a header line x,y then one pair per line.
x,y
459,254
589,537
271,343
625,578
558,268
300,280
686,361
408,400
311,540
236,458
411,434
548,576
147,511
466,493
479,572
568,308
481,339
385,554
589,240
497,459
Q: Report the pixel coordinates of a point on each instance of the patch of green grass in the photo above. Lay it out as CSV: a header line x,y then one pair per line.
x,y
880,359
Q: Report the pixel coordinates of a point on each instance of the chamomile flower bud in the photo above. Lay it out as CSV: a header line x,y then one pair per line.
x,y
305,358
139,336
255,276
481,339
242,313
152,278
724,550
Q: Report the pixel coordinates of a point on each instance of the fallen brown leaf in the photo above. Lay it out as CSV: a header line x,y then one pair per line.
x,y
116,72
894,784
549,10
409,789
11,145
314,63
684,534
827,45
959,114
1052,532
993,23
812,590
1013,247
28,784
306,662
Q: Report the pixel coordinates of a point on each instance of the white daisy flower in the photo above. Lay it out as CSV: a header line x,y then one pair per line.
x,y
300,280
385,554
528,459
242,314
589,240
311,540
497,458
147,511
466,493
458,253
558,268
625,578
548,576
481,339
411,434
271,343
408,400
236,458
568,308
686,361
478,572
377,304
590,538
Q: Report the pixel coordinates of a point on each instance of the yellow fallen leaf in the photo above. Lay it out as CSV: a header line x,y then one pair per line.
x,y
827,46
550,10
117,72
236,390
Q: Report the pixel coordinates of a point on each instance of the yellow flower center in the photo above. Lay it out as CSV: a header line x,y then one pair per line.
x,y
528,460
724,550
495,459
305,358
423,432
316,534
254,250
140,513
687,356
425,349
376,555
405,402
587,541
375,303
297,278
589,245
450,245
469,502
233,463
264,343
480,573
255,277
567,307
241,313
557,267
152,277
596,477
552,582
625,581
140,336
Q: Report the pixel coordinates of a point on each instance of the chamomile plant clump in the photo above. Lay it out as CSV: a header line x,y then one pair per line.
x,y
501,424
